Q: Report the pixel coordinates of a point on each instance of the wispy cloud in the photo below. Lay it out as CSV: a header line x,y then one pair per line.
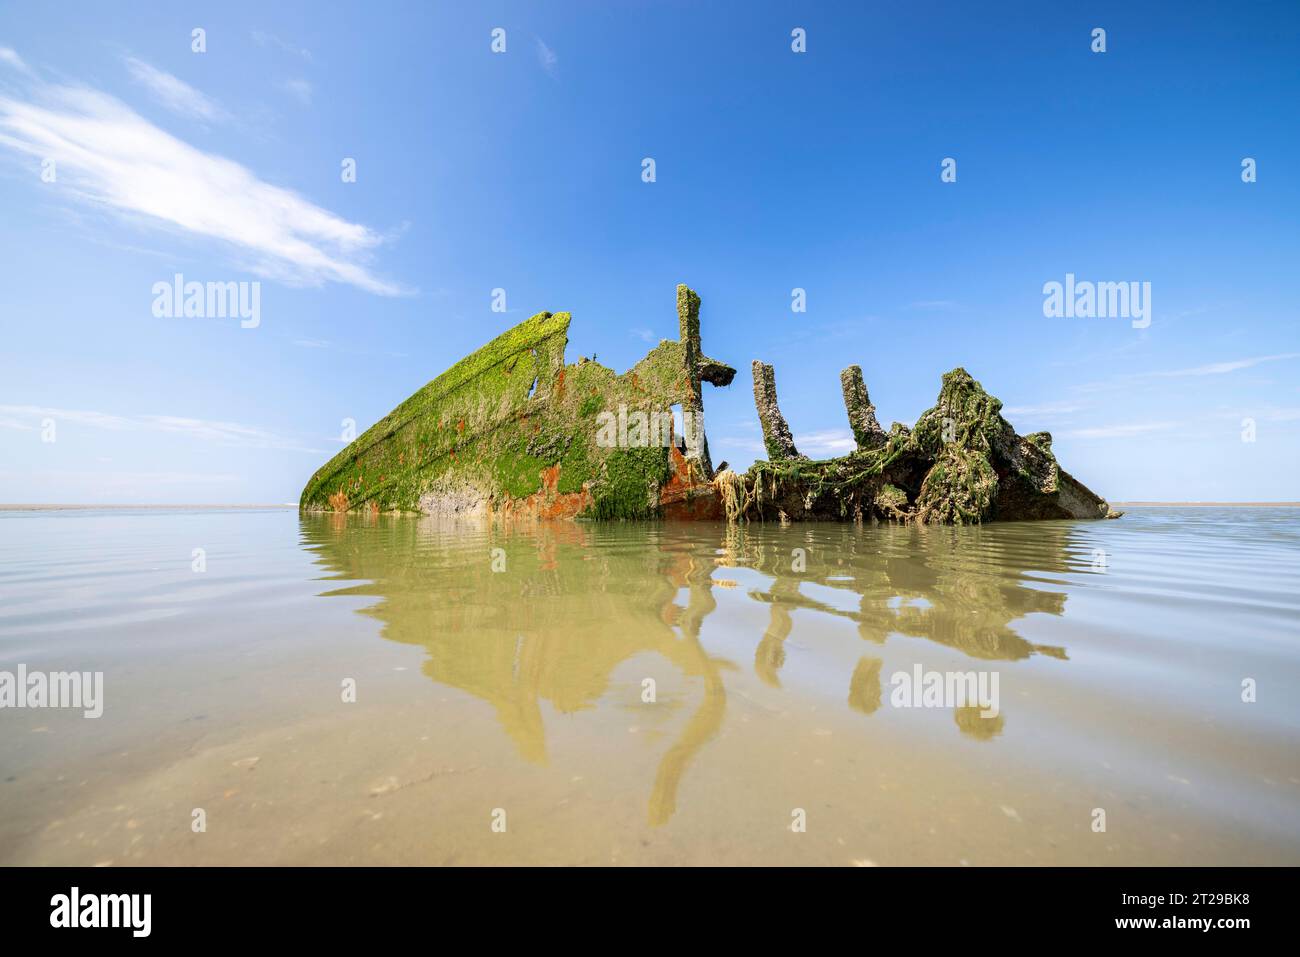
x,y
301,90
1209,369
1044,410
825,442
12,59
1220,368
176,95
113,158
646,335
546,57
1122,430
305,343
1275,414
109,483
264,39
740,442
826,332
1266,413
224,433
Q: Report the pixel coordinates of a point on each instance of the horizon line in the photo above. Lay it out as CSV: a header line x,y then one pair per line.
x,y
74,506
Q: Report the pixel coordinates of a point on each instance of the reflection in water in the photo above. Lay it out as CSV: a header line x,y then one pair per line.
x,y
864,686
573,601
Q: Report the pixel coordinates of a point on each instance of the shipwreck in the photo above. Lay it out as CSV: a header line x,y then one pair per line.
x,y
514,431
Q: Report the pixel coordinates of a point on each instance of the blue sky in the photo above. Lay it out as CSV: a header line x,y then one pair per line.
x,y
522,171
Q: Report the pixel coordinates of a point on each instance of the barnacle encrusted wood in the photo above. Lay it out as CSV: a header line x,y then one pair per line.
x,y
867,433
511,430
961,464
776,433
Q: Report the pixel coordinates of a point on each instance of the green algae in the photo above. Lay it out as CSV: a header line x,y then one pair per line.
x,y
512,422
892,502
631,479
965,415
961,464
512,426
958,490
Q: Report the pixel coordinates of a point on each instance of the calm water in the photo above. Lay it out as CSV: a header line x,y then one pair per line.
x,y
1120,650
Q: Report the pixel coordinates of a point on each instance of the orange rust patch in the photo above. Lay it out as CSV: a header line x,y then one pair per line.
x,y
547,503
339,502
559,385
683,497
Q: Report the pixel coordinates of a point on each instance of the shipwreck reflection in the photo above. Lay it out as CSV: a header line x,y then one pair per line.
x,y
547,612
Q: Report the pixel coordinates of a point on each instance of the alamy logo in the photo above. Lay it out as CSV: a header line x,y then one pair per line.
x,y
945,689
55,689
638,430
103,910
209,300
1098,300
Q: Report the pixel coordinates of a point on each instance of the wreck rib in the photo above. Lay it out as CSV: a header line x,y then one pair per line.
x,y
867,433
962,464
776,433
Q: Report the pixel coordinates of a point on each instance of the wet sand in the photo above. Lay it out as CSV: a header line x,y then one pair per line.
x,y
1120,648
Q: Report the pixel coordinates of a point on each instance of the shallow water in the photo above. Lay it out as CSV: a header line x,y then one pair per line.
x,y
510,686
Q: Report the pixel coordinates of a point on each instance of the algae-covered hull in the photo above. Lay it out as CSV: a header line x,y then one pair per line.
x,y
512,430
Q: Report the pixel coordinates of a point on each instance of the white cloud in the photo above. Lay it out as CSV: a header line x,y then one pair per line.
x,y
826,442
177,95
263,39
1219,368
123,481
225,433
1118,431
1045,409
1267,413
1212,368
300,90
646,335
9,57
111,157
546,57
1275,414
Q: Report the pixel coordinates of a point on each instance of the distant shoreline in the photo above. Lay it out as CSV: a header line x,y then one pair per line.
x,y
289,505
1209,504
55,508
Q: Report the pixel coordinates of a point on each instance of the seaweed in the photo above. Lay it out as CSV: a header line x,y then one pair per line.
x,y
961,464
512,429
